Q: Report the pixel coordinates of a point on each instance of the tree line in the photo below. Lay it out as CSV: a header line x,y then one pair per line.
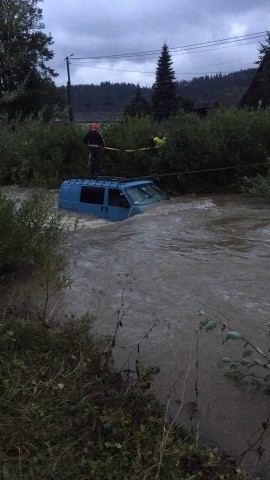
x,y
226,89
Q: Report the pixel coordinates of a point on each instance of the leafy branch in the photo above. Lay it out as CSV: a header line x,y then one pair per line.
x,y
252,368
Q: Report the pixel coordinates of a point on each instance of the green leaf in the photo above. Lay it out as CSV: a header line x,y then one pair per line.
x,y
224,361
211,325
235,365
232,336
204,322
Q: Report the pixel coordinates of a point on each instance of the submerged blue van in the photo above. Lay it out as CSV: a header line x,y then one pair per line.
x,y
109,198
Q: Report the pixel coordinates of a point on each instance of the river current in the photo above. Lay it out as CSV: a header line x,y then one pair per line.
x,y
155,271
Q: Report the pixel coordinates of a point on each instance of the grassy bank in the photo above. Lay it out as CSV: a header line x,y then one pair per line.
x,y
65,415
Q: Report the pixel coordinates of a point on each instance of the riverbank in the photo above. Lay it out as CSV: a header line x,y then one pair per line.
x,y
67,415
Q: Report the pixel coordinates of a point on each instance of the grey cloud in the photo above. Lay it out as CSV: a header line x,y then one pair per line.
x,y
85,28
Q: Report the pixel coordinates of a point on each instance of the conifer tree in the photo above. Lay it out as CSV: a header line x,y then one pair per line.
x,y
264,48
264,57
164,98
258,93
25,80
138,106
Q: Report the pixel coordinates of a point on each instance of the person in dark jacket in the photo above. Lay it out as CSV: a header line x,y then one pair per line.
x,y
95,142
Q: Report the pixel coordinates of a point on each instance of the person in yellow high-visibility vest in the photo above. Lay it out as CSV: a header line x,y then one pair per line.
x,y
159,140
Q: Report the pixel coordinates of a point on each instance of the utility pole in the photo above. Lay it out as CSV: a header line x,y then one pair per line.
x,y
70,109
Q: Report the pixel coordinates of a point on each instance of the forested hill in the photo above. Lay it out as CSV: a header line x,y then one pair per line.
x,y
226,89
107,100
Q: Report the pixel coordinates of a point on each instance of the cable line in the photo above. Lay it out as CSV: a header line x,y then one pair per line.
x,y
172,55
61,65
184,47
144,72
157,175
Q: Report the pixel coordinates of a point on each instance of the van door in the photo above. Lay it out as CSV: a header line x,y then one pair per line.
x,y
92,201
118,205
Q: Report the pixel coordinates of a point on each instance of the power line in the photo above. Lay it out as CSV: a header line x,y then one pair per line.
x,y
61,65
211,49
181,53
218,43
86,65
194,46
59,69
144,72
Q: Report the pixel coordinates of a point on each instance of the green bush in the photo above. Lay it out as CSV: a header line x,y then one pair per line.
x,y
34,152
29,234
225,143
258,186
132,133
228,140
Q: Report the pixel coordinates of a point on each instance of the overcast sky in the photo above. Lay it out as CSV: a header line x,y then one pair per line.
x,y
87,28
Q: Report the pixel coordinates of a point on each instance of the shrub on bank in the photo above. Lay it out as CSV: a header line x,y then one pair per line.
x,y
133,133
227,140
258,186
29,234
219,148
65,415
34,152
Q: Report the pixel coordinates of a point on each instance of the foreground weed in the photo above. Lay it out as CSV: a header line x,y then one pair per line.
x,y
66,416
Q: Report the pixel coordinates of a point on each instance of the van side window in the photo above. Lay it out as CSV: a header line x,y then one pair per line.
x,y
92,195
117,198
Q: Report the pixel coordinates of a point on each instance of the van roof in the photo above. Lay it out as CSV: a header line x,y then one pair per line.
x,y
108,181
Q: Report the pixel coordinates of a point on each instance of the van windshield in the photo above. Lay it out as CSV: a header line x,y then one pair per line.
x,y
146,194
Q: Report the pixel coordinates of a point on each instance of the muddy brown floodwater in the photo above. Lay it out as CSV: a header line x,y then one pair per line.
x,y
159,269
